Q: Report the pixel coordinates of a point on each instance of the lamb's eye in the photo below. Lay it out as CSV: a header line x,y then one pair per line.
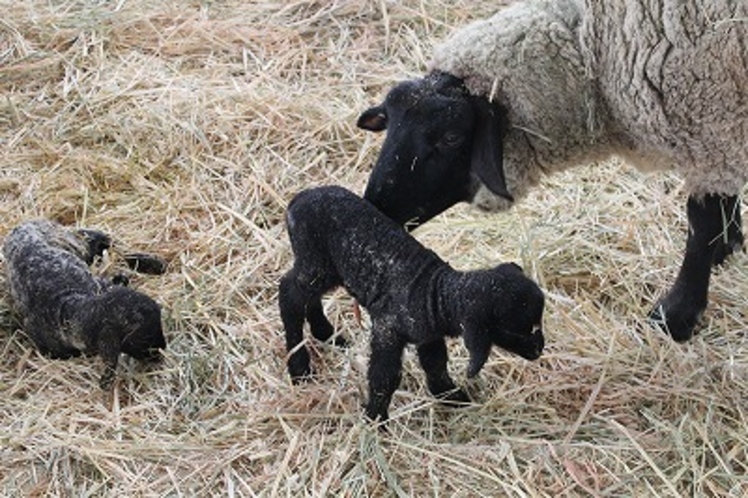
x,y
451,139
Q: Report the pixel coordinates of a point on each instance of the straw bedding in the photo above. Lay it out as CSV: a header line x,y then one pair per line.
x,y
183,129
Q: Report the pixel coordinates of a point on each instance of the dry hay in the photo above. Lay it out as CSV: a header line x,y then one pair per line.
x,y
184,128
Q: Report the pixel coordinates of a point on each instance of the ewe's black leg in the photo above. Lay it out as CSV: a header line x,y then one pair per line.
x,y
321,327
731,239
433,358
385,371
713,234
292,302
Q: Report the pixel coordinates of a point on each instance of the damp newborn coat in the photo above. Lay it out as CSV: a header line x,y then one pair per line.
x,y
65,309
413,297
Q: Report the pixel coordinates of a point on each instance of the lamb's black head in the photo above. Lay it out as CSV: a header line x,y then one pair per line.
x,y
137,320
503,307
441,145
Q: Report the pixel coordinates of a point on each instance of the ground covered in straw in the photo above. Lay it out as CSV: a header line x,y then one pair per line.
x,y
183,129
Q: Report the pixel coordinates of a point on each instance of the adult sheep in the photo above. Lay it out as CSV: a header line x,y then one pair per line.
x,y
548,84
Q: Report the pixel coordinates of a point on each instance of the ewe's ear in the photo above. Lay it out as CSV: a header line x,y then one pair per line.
x,y
488,151
479,347
374,119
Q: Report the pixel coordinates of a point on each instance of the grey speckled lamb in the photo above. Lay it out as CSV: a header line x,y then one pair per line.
x,y
65,309
545,85
413,297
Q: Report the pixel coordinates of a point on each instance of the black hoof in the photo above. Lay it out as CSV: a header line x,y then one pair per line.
x,y
298,366
455,398
149,264
338,341
725,250
678,321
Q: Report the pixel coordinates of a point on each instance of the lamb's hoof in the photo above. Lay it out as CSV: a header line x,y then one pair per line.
x,y
455,398
298,366
149,264
676,319
338,341
377,418
121,279
106,382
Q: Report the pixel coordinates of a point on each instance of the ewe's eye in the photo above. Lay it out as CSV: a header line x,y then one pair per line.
x,y
451,139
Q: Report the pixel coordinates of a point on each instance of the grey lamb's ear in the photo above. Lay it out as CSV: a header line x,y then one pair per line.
x,y
479,347
373,119
488,151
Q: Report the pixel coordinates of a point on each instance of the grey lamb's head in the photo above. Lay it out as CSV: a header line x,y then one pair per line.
x,y
132,318
501,307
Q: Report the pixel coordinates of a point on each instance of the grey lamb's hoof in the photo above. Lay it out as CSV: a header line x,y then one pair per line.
x,y
149,264
677,319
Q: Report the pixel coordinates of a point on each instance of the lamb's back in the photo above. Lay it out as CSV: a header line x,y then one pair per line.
x,y
44,266
372,255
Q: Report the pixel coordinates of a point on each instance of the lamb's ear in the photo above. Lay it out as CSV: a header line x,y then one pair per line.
x,y
479,347
373,119
488,147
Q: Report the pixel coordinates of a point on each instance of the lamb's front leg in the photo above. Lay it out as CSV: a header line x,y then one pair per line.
x,y
714,233
433,358
109,344
385,370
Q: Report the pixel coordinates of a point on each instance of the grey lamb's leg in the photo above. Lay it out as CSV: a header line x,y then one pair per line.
x,y
712,236
433,358
98,242
292,303
321,327
385,370
109,344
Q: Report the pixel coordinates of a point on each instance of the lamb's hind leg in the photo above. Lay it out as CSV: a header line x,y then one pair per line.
x,y
292,302
321,327
714,233
433,358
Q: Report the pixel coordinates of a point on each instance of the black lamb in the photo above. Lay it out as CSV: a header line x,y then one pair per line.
x,y
411,294
66,310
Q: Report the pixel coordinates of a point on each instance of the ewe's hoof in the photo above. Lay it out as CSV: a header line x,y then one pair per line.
x,y
724,250
676,320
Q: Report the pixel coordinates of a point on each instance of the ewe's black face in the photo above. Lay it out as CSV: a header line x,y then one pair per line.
x,y
436,141
507,311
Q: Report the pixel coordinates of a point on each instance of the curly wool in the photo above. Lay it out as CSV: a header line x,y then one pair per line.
x,y
661,83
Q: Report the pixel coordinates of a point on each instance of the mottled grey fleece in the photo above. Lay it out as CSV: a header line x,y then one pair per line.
x,y
662,83
65,309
